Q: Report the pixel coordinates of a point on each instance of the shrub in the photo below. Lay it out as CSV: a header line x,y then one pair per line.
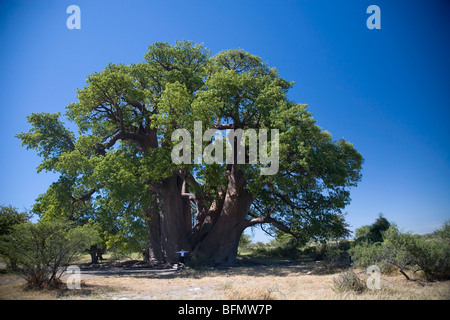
x,y
348,281
402,250
431,256
367,254
435,259
40,250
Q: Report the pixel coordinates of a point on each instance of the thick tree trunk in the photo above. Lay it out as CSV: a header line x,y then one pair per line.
x,y
170,221
155,253
220,243
214,238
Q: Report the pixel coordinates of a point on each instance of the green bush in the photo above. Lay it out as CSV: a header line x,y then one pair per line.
x,y
276,249
40,250
430,254
366,254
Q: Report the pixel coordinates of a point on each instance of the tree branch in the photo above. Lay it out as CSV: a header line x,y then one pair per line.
x,y
277,224
190,179
189,195
140,139
84,197
225,126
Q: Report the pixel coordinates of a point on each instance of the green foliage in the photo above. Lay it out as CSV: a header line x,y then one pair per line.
x,y
9,217
368,248
442,234
283,246
48,137
41,249
244,241
366,254
374,232
125,236
430,254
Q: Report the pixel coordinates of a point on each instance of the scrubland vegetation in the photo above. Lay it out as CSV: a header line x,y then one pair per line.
x,y
34,257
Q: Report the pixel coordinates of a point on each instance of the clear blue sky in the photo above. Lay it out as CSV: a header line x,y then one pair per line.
x,y
387,91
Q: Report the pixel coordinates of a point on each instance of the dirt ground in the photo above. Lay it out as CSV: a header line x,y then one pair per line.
x,y
280,281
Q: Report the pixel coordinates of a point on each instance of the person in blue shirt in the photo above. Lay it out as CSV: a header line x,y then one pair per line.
x,y
182,253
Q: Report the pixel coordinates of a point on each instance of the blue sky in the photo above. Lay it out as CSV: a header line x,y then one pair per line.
x,y
387,91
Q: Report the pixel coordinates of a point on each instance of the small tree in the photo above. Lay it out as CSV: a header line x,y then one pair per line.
x,y
42,249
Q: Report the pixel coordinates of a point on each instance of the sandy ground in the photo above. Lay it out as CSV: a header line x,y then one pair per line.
x,y
288,281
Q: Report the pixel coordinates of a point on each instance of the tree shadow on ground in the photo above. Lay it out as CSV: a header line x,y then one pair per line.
x,y
247,266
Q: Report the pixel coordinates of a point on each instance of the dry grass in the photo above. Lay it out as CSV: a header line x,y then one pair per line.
x,y
303,280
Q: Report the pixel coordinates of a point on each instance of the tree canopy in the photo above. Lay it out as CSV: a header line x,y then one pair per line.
x,y
118,171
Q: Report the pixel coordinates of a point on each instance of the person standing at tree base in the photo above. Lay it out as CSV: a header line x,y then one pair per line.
x,y
182,253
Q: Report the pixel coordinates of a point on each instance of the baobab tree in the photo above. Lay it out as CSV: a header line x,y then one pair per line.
x,y
120,164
